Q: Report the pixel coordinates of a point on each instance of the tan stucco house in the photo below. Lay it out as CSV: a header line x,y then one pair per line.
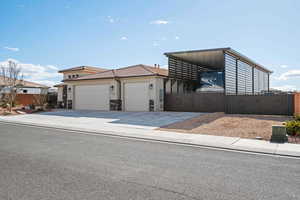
x,y
26,91
134,88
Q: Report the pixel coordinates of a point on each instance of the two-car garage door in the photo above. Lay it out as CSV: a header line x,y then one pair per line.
x,y
96,97
92,97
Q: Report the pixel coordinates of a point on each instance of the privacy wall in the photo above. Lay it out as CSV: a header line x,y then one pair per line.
x,y
279,104
297,103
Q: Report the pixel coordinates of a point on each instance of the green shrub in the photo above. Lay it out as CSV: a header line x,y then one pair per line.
x,y
297,117
4,105
293,128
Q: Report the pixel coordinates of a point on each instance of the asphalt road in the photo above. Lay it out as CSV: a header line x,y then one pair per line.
x,y
37,163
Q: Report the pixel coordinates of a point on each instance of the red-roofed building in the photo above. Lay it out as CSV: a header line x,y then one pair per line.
x,y
26,91
134,88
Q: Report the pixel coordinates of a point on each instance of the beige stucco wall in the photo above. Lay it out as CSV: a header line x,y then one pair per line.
x,y
59,94
159,96
156,93
73,84
71,73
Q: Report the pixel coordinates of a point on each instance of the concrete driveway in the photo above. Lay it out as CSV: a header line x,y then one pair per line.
x,y
96,119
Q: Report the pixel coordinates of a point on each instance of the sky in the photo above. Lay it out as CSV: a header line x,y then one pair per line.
x,y
44,36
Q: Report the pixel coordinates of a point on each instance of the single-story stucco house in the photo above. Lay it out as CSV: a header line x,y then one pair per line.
x,y
26,91
134,88
143,88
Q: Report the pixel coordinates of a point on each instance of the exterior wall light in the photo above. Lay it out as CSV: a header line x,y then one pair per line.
x,y
150,86
112,87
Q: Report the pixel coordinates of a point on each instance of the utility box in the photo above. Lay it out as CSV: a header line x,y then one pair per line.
x,y
279,134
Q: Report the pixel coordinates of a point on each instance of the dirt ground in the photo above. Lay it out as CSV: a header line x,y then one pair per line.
x,y
3,112
15,111
232,125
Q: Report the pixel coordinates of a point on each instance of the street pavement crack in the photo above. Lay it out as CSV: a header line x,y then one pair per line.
x,y
161,188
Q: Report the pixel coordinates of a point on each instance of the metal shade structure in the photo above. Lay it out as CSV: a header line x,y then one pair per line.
x,y
184,65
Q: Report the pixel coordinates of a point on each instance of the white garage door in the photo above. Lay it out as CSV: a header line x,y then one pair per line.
x,y
92,97
136,96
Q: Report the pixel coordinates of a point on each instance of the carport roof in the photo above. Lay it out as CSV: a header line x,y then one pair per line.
x,y
212,57
131,71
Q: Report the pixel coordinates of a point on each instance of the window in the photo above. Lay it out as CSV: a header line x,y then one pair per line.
x,y
77,75
73,76
25,91
212,81
70,76
161,95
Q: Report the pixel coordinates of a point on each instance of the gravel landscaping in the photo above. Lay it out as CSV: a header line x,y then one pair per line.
x,y
232,125
16,111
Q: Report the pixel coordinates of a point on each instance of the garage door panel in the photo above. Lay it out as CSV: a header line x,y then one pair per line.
x,y
92,97
136,96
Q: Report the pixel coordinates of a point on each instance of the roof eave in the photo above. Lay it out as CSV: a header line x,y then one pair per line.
x,y
232,51
225,49
117,77
192,51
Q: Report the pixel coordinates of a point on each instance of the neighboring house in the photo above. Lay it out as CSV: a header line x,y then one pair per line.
x,y
133,88
26,91
143,88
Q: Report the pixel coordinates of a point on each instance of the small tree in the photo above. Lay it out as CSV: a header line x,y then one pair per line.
x,y
12,78
40,100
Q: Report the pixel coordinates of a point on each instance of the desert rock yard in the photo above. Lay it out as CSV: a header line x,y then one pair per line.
x,y
15,111
232,125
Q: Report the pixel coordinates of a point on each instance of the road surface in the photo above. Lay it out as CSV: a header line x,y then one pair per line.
x,y
39,163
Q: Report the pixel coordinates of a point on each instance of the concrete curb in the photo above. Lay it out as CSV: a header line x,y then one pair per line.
x,y
157,139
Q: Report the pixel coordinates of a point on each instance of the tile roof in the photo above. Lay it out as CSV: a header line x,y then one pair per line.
x,y
131,71
96,69
25,83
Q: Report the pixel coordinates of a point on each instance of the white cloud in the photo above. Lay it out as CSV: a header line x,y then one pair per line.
x,y
159,22
51,67
286,88
112,20
155,44
124,38
11,48
283,66
289,75
177,37
37,73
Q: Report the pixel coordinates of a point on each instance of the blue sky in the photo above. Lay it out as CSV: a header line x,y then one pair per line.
x,y
47,35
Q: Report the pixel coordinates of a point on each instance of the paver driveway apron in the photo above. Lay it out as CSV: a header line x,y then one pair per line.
x,y
96,120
